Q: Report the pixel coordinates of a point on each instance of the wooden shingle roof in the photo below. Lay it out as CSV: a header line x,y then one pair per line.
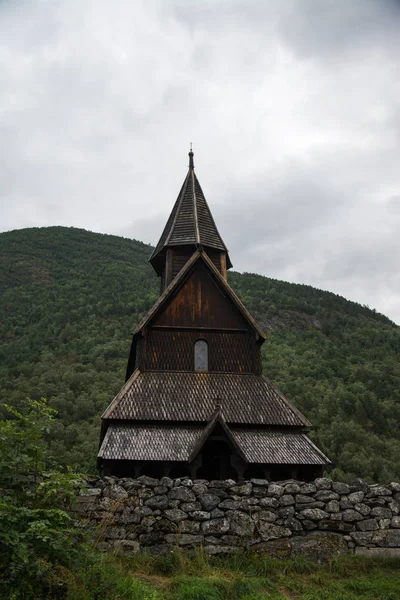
x,y
125,441
190,222
192,397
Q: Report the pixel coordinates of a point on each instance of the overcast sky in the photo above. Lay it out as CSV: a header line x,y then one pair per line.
x,y
293,108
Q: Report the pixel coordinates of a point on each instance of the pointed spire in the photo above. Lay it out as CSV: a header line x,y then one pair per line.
x,y
190,222
191,155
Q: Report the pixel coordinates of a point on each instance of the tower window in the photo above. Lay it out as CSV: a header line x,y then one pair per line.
x,y
201,355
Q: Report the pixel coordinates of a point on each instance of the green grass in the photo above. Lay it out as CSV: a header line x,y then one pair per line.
x,y
178,576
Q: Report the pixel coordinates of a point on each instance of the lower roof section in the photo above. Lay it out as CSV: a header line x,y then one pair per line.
x,y
188,396
175,443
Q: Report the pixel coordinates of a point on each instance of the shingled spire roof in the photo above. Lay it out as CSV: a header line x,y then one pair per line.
x,y
191,221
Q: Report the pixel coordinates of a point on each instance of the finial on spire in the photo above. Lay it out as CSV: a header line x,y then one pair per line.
x,y
191,154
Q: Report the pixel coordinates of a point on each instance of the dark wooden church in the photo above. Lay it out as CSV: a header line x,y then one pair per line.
x,y
195,401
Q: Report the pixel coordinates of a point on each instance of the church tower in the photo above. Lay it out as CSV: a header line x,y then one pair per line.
x,y
195,401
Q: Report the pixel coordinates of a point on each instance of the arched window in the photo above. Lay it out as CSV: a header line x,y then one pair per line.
x,y
201,355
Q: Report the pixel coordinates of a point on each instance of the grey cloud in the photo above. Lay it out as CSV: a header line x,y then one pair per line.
x,y
293,108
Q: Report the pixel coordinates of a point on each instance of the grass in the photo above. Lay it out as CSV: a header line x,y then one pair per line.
x,y
179,576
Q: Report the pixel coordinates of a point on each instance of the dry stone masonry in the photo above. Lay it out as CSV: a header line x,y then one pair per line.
x,y
318,519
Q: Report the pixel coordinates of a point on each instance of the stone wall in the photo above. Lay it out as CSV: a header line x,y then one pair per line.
x,y
318,519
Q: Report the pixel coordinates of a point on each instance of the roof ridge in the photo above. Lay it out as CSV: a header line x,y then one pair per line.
x,y
115,401
295,410
196,217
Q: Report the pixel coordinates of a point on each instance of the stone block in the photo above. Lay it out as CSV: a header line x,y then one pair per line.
x,y
145,493
208,501
350,515
269,502
308,488
243,489
161,490
286,500
269,531
265,515
323,483
361,538
332,506
240,523
115,492
395,523
286,513
311,505
381,512
314,514
363,509
336,517
340,488
393,538
157,502
260,492
199,488
186,482
292,488
303,499
182,493
166,482
275,490
189,526
326,495
356,497
175,514
215,526
367,525
148,481
260,482
223,484
378,490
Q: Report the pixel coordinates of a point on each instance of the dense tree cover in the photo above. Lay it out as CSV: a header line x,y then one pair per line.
x,y
69,300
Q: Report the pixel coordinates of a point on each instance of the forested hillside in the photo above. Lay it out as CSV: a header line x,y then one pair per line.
x,y
69,300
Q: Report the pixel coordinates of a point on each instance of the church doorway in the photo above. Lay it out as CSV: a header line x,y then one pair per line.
x,y
216,461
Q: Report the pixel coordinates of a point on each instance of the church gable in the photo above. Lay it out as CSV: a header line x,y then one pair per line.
x,y
200,302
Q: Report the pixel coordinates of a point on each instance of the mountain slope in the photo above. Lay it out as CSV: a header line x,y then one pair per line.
x,y
69,300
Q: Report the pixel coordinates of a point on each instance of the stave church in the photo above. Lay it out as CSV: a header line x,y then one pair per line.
x,y
195,401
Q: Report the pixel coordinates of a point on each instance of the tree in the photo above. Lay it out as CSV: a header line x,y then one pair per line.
x,y
36,533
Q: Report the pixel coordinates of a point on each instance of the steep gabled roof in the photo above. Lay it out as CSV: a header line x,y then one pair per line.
x,y
217,418
181,277
191,221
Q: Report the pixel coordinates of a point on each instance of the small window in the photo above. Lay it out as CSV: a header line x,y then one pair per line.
x,y
201,355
